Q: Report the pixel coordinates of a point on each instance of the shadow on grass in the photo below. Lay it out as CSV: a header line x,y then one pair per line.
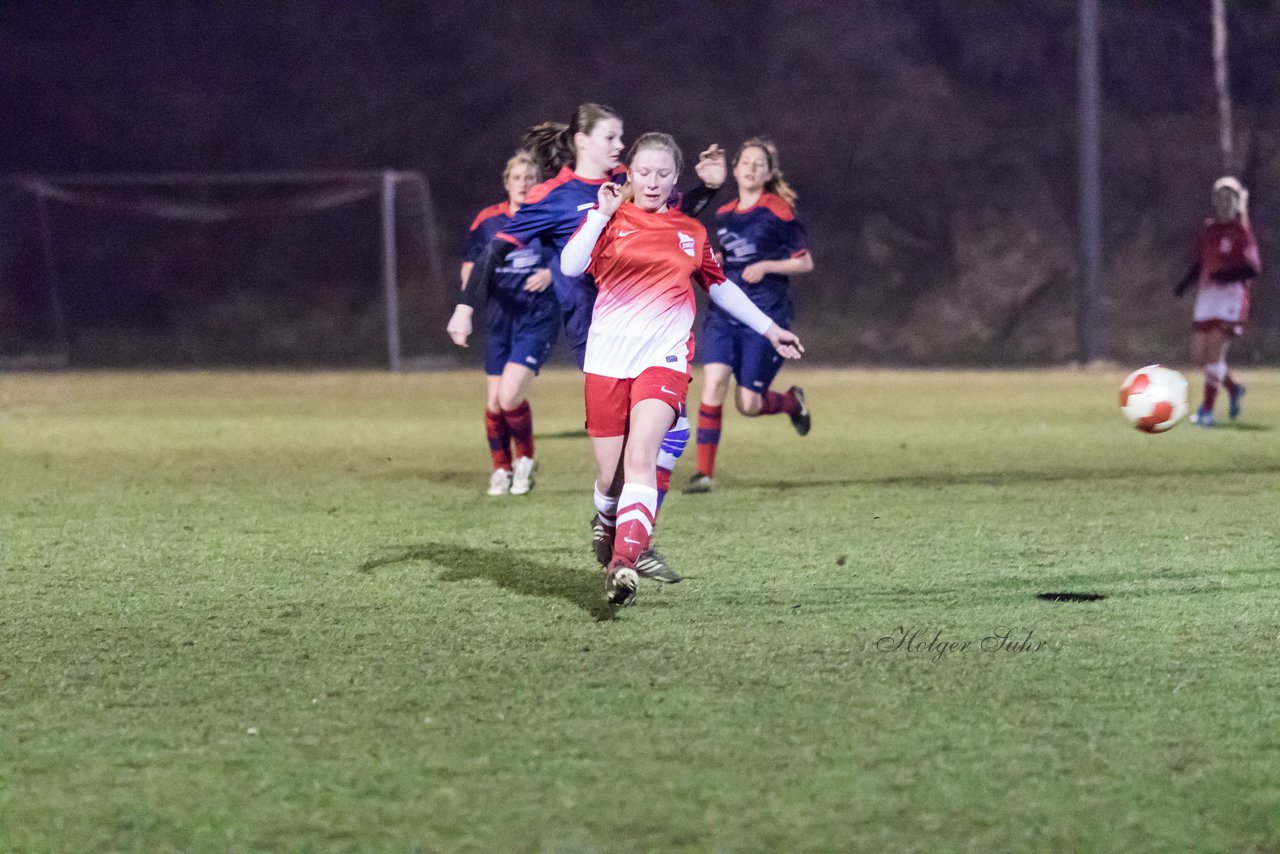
x,y
1008,478
1245,426
1103,586
509,570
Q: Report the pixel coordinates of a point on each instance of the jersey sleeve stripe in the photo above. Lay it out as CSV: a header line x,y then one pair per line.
x,y
488,213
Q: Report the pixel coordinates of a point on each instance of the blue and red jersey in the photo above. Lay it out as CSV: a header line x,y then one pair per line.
x,y
552,211
767,231
519,264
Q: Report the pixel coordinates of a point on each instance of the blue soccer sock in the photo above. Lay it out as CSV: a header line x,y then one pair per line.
x,y
669,452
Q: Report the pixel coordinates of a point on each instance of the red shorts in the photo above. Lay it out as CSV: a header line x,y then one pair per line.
x,y
609,399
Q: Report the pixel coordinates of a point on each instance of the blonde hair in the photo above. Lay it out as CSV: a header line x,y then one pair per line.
x,y
777,184
657,142
520,158
551,143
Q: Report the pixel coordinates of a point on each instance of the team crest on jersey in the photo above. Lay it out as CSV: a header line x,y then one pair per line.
x,y
1224,245
686,243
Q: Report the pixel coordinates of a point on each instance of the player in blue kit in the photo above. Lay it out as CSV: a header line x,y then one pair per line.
x,y
763,244
578,157
581,155
522,322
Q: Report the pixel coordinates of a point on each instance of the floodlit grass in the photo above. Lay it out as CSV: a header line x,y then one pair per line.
x,y
277,612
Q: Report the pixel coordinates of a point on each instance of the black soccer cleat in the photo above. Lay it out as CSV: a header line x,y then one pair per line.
x,y
800,420
699,483
601,540
650,564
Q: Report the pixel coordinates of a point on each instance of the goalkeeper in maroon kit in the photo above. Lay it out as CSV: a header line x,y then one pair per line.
x,y
1226,264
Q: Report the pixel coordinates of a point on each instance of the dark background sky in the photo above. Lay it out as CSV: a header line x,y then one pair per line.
x,y
933,142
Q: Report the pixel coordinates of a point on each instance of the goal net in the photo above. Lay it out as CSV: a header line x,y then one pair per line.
x,y
254,269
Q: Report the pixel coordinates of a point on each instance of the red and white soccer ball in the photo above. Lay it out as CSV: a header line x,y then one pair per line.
x,y
1154,398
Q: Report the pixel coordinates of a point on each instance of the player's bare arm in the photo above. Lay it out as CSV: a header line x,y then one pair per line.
x,y
753,273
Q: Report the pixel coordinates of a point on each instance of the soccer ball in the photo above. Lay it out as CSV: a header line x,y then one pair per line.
x,y
1154,398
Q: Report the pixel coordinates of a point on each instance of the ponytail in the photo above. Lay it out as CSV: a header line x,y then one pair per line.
x,y
550,145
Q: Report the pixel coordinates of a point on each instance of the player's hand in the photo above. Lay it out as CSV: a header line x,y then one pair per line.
x,y
609,198
786,342
753,273
711,168
459,327
538,282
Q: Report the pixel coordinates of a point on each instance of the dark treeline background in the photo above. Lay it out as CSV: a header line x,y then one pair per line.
x,y
933,144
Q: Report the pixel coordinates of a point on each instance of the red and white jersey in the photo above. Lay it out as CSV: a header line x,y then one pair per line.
x,y
1226,246
644,265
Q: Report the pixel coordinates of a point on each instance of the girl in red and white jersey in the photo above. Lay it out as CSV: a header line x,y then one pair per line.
x,y
1226,264
644,257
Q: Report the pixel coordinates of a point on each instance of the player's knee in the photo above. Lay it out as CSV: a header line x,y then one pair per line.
x,y
510,396
511,401
638,459
716,387
749,404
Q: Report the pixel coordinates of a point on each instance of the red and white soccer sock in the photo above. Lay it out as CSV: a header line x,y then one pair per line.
x,y
773,403
709,418
520,423
606,510
637,505
495,427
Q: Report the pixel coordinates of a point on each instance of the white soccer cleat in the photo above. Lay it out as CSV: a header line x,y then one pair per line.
x,y
500,482
522,475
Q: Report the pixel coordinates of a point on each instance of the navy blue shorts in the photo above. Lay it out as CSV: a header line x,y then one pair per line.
x,y
521,327
725,341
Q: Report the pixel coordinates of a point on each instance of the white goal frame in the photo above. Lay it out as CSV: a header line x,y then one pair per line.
x,y
389,184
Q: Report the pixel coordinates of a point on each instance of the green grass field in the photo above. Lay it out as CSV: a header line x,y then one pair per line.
x,y
260,611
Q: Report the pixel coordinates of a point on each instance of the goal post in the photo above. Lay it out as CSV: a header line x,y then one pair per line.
x,y
206,263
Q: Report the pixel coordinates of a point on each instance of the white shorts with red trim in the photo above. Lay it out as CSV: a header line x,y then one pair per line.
x,y
1225,305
